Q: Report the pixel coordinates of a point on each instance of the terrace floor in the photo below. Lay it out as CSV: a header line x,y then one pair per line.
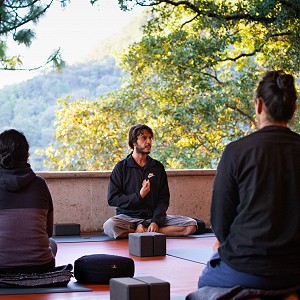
x,y
182,274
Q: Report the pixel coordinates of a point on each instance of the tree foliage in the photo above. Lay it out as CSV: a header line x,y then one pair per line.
x,y
192,78
17,18
87,137
30,106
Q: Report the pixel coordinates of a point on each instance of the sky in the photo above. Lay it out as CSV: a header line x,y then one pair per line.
x,y
75,29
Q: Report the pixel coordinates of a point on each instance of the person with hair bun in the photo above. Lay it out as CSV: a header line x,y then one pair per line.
x,y
26,211
255,208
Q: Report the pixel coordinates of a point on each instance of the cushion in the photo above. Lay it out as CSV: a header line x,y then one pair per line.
x,y
100,268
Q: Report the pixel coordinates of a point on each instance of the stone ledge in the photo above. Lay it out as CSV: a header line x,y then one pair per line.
x,y
105,174
81,197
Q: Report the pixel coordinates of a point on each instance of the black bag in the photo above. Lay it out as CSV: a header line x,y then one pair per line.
x,y
100,268
60,277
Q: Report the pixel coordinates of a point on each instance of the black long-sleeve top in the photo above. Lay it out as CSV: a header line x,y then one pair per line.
x,y
255,210
124,187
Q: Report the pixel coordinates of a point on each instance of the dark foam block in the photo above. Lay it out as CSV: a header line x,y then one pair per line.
x,y
147,244
159,289
128,289
66,229
159,244
140,244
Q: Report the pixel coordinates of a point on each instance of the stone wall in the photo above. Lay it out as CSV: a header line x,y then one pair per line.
x,y
80,197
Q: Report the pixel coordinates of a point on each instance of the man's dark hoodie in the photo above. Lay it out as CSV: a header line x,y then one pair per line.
x,y
124,189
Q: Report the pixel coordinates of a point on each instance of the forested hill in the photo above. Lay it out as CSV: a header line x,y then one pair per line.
x,y
30,106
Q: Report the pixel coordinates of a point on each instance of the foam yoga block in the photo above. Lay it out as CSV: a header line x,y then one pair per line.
x,y
146,288
147,244
158,289
66,229
100,268
128,289
159,244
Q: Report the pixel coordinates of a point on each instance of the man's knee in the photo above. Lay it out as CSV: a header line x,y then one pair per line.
x,y
115,228
108,227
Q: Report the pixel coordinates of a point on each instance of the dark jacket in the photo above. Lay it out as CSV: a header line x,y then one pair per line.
x,y
26,218
255,211
124,187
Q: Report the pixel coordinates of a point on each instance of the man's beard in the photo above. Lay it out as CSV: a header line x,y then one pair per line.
x,y
141,150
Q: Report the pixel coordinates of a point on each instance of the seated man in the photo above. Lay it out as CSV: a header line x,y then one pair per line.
x,y
138,187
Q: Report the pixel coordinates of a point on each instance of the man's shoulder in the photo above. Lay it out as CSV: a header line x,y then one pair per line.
x,y
120,164
156,163
125,162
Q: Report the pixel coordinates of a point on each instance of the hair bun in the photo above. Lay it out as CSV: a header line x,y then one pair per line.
x,y
6,160
285,81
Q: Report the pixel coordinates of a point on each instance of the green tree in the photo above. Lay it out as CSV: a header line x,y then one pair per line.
x,y
200,61
90,134
193,74
30,106
16,20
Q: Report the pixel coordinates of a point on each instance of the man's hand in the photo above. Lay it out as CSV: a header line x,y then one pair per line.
x,y
153,227
145,188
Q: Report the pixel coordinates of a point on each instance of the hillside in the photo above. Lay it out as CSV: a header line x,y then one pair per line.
x,y
30,106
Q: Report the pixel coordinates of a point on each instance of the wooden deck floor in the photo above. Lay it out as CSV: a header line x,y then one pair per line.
x,y
181,274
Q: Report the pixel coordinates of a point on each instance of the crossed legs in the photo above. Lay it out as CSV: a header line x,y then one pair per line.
x,y
121,225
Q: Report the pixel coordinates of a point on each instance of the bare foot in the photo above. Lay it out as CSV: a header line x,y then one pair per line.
x,y
140,229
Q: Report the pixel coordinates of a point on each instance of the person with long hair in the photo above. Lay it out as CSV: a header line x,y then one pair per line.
x,y
26,211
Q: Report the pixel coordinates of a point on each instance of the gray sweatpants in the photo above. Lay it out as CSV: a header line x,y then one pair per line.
x,y
119,224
